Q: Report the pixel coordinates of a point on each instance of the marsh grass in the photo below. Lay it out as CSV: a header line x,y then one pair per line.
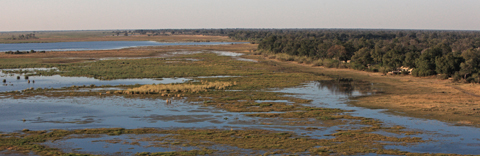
x,y
178,88
344,142
191,152
210,65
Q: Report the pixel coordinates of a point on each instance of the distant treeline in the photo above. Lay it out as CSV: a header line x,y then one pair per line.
x,y
450,53
428,52
23,37
209,32
23,52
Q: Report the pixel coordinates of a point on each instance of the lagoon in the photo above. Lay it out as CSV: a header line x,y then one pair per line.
x,y
96,45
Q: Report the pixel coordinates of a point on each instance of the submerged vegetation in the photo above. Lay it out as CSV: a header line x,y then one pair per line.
x,y
264,140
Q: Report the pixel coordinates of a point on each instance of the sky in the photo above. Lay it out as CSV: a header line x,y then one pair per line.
x,y
31,15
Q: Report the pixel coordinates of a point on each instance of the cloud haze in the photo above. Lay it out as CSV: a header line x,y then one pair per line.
x,y
20,15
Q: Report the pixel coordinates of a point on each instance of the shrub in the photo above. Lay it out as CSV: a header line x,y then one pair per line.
x,y
470,80
442,76
285,57
457,76
318,62
309,60
421,73
475,78
331,63
384,70
357,66
404,72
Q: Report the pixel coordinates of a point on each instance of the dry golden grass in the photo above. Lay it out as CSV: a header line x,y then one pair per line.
x,y
178,88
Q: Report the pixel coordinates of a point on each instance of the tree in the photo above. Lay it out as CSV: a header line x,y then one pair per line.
x,y
363,57
377,54
471,64
410,59
393,59
448,64
426,62
338,52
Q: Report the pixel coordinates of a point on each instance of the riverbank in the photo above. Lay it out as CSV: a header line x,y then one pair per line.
x,y
427,98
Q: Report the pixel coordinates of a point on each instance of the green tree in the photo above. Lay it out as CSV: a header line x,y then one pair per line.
x,y
363,57
410,59
338,52
471,64
426,62
393,59
448,64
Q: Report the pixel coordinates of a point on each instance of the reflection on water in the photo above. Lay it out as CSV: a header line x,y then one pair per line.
x,y
348,88
57,81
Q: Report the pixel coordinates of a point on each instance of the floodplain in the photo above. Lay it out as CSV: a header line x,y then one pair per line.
x,y
207,100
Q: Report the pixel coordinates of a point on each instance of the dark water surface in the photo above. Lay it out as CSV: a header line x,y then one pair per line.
x,y
95,45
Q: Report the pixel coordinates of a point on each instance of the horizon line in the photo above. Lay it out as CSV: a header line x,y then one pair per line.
x,y
68,30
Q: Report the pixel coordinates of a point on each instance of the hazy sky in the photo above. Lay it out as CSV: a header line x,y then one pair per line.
x,y
19,15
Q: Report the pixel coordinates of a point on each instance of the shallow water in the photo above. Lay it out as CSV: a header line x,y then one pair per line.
x,y
447,138
96,45
57,81
42,113
233,55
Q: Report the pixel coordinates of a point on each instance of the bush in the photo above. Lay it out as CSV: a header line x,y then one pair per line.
x,y
384,70
331,63
442,76
375,70
285,57
308,60
357,66
475,78
300,59
318,62
457,76
470,80
421,73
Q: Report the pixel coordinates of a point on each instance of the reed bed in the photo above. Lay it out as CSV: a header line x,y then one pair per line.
x,y
167,89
